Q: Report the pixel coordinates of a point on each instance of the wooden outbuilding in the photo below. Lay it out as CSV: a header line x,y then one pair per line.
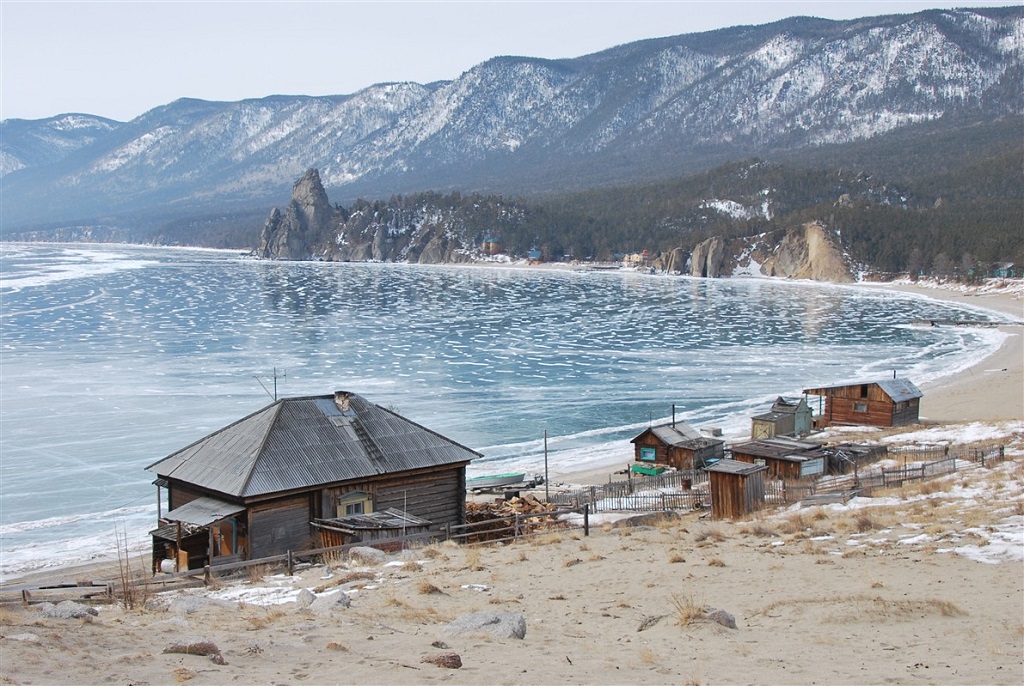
x,y
676,445
784,458
737,488
373,526
890,402
788,417
252,489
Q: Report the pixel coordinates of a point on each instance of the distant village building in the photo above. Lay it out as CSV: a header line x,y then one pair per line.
x,y
890,402
784,458
253,488
676,445
788,417
492,246
737,488
1003,270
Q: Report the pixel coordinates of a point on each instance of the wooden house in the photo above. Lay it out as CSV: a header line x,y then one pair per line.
x,y
784,458
676,445
252,489
737,488
890,402
788,417
492,246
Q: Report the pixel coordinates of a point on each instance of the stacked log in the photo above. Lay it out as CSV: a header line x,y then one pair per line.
x,y
510,518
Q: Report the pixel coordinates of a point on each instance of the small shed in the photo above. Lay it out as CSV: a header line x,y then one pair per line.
x,y
737,488
785,458
677,445
889,402
788,417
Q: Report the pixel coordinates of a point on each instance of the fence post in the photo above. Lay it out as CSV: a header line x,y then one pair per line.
x,y
290,563
586,519
515,531
206,575
448,531
663,508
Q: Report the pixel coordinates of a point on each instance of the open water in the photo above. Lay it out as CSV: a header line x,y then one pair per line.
x,y
112,357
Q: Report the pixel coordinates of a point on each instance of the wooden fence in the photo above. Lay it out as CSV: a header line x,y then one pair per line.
x,y
942,460
637,494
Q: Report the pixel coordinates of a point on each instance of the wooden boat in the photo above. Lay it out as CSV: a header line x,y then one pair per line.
x,y
495,480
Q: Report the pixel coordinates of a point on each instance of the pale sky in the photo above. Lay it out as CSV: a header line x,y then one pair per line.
x,y
120,59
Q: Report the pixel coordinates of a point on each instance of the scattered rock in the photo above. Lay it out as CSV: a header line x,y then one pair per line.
x,y
497,624
440,645
331,602
305,598
721,616
32,638
198,647
448,660
368,555
67,609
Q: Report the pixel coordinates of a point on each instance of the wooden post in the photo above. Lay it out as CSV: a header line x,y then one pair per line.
x,y
290,563
207,577
586,519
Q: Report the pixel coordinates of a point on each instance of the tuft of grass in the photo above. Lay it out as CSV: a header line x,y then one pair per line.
x,y
9,617
412,566
335,645
427,588
709,534
716,562
264,618
676,558
473,560
688,609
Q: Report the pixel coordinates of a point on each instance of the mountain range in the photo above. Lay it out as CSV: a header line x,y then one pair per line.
x,y
642,111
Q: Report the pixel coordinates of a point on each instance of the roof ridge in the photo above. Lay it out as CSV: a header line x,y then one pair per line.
x,y
277,405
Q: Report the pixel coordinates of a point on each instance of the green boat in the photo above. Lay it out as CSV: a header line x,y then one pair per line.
x,y
648,470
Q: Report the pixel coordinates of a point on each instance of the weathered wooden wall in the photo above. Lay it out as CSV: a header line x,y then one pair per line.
x,y
279,526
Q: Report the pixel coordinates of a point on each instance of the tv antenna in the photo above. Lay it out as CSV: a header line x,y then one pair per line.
x,y
282,375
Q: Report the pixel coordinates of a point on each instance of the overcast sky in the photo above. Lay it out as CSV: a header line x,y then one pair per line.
x,y
120,59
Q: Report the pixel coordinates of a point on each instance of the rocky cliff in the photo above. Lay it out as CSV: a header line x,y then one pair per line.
x,y
291,235
808,252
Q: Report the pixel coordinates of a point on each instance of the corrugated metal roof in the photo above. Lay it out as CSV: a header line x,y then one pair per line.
x,y
736,467
296,443
900,390
203,511
675,434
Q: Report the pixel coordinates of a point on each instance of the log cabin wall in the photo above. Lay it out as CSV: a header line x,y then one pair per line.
x,y
437,495
279,526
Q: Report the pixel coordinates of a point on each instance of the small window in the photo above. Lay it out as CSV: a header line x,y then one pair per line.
x,y
860,407
648,454
864,390
354,508
353,503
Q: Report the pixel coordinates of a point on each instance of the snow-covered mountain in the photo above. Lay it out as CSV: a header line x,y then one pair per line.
x,y
516,123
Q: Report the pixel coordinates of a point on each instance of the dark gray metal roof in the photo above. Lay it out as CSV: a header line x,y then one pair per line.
x,y
736,467
775,448
297,443
203,511
900,390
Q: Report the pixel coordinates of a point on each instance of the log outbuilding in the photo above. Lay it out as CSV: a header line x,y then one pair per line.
x,y
890,402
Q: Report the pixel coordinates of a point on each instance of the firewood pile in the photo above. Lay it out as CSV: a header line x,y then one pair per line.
x,y
498,519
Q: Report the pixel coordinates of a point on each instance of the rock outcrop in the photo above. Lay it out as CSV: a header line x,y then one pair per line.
x,y
291,235
708,258
808,252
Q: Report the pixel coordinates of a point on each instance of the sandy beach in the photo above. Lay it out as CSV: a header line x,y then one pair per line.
x,y
923,584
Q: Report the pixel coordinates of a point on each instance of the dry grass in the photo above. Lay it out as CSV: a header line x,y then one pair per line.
x,y
716,562
473,560
869,608
676,558
711,534
427,588
341,579
9,617
264,617
647,656
336,646
412,566
688,609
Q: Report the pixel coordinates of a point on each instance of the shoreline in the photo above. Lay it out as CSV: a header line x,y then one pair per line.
x,y
991,390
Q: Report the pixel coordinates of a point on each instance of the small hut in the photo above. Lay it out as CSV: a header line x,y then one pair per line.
x,y
785,458
676,445
737,488
788,417
372,526
890,402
